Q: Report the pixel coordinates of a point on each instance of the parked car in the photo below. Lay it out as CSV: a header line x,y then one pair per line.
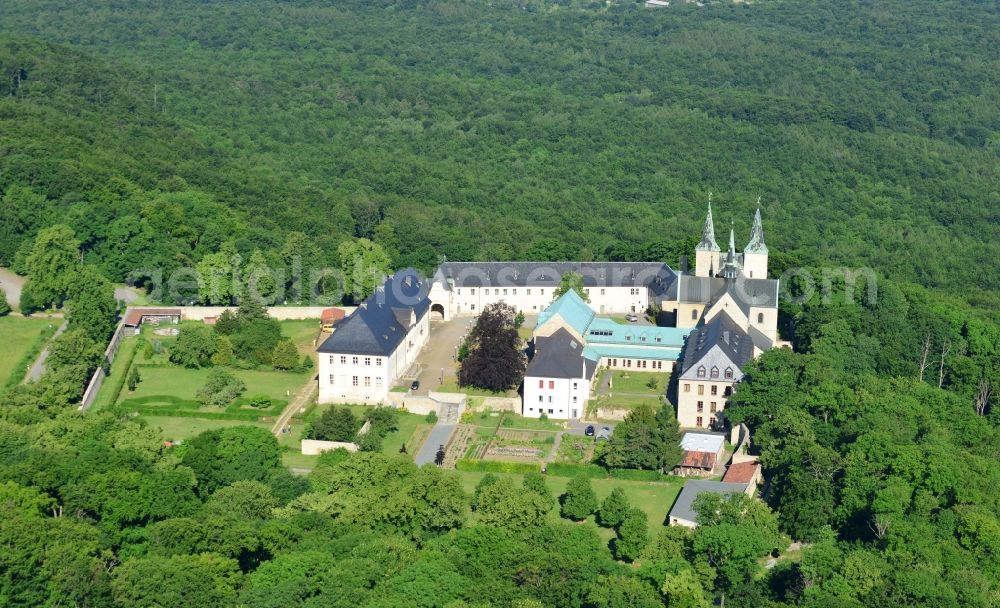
x,y
415,385
589,432
605,434
631,318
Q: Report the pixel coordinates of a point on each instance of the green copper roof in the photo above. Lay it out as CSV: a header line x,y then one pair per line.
x,y
708,232
606,331
756,244
573,310
595,351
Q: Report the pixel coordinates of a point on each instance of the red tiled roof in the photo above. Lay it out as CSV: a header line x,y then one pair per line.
x,y
134,316
742,472
698,460
332,314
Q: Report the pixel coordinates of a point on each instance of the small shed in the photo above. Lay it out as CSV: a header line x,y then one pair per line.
x,y
683,513
135,317
703,452
330,317
744,472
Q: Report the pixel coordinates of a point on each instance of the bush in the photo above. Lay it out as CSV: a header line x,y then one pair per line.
x,y
496,466
431,417
221,388
543,417
369,442
133,379
384,420
260,402
4,305
285,355
336,424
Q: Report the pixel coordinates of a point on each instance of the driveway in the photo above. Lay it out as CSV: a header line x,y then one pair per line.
x,y
439,353
38,367
11,284
577,427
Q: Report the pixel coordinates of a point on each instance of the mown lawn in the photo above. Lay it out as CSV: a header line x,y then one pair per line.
x,y
19,335
450,385
638,382
170,385
514,421
303,333
179,429
653,497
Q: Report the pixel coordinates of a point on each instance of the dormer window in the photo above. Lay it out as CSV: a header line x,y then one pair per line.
x,y
701,371
715,372
729,373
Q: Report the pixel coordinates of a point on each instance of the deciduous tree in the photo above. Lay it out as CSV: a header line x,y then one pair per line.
x,y
579,501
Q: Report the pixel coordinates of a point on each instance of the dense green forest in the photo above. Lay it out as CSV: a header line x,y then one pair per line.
x,y
167,134
507,130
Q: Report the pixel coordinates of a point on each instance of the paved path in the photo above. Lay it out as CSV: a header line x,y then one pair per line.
x,y
126,294
555,448
11,284
300,400
449,415
439,353
38,367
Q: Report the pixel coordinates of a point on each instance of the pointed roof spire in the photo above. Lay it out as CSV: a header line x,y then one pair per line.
x,y
756,244
732,268
708,232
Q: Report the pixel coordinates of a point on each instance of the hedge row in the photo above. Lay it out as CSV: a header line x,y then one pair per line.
x,y
112,397
594,471
21,367
637,475
496,466
175,413
561,469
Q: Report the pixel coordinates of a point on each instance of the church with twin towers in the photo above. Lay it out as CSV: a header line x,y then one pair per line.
x,y
702,326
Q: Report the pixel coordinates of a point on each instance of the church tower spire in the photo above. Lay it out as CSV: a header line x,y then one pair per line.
x,y
732,269
756,244
755,254
708,231
707,255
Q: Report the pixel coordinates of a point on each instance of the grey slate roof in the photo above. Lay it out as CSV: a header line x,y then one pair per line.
x,y
382,321
745,292
682,508
719,343
560,356
654,275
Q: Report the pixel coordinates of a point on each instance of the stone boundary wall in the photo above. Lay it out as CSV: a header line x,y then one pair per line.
x,y
605,413
193,313
313,447
281,313
740,435
415,404
502,404
94,386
